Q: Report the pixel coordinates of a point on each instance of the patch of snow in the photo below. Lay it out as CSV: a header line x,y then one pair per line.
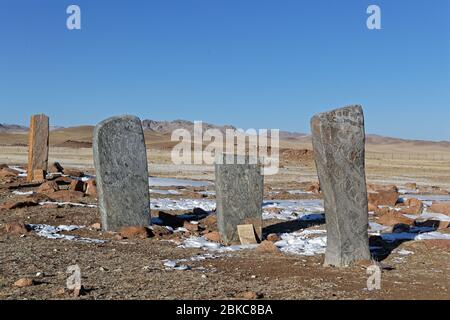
x,y
52,232
69,203
26,193
202,243
182,204
166,192
405,252
22,172
300,243
168,182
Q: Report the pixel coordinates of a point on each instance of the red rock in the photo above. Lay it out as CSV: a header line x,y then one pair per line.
x,y
8,173
91,188
160,231
135,232
23,282
391,218
313,187
48,187
273,237
375,188
411,185
16,228
372,207
67,196
77,185
190,226
3,165
413,206
383,198
213,236
440,207
96,226
16,204
210,221
441,244
267,247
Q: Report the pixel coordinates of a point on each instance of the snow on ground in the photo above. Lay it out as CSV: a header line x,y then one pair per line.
x,y
173,182
20,193
165,192
51,232
73,204
182,204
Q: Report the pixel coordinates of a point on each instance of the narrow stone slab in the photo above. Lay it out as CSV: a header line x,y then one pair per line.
x,y
239,196
339,140
37,145
246,234
120,159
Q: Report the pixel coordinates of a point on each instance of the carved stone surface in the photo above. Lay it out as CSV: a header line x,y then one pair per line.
x,y
239,197
120,159
339,140
37,145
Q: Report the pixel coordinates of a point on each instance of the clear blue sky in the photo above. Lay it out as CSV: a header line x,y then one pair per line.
x,y
250,63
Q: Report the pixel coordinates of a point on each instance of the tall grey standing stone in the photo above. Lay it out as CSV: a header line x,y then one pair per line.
x,y
120,159
239,197
339,141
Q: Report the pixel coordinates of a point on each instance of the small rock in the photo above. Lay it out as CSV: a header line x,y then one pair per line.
x,y
97,226
91,188
249,295
190,227
135,232
440,207
273,237
267,247
48,187
383,198
23,282
160,231
213,236
67,196
16,228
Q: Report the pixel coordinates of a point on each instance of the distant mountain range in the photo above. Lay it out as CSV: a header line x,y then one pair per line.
x,y
166,128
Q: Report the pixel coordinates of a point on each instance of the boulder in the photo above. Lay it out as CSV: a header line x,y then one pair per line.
x,y
135,232
16,228
440,207
392,218
383,198
67,196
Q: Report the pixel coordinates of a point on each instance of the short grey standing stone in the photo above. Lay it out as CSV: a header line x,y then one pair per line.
x,y
38,137
120,160
339,141
239,197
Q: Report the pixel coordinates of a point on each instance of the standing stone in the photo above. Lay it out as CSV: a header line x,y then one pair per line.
x,y
120,160
339,140
239,197
37,145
